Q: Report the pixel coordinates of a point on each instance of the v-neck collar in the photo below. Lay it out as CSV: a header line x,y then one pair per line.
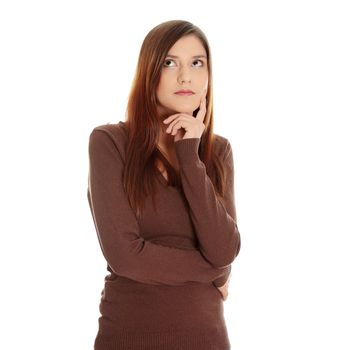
x,y
162,178
160,175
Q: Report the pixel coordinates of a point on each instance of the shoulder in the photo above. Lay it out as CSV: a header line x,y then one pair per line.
x,y
222,146
115,131
115,134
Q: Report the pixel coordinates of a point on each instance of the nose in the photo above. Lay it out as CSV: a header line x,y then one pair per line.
x,y
184,76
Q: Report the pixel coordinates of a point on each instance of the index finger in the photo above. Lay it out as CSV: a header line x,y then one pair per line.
x,y
202,107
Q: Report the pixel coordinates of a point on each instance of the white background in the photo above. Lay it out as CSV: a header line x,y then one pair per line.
x,y
281,96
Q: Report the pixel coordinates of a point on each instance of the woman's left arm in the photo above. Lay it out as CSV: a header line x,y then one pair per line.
x,y
215,222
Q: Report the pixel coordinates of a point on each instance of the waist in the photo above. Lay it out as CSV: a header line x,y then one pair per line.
x,y
128,304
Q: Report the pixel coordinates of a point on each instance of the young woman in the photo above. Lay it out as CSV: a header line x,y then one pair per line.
x,y
161,194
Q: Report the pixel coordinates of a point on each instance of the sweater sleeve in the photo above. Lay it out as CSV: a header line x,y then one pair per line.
x,y
126,252
214,222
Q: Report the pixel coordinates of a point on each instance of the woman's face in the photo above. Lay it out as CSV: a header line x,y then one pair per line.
x,y
186,71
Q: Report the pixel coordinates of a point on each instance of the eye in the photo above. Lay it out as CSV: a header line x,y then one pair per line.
x,y
170,60
199,61
167,60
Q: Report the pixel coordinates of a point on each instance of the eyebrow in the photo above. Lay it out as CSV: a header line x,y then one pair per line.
x,y
196,56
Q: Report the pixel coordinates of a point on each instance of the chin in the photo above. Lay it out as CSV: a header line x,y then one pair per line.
x,y
185,108
174,108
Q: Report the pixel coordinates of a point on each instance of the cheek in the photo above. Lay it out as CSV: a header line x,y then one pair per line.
x,y
205,78
163,85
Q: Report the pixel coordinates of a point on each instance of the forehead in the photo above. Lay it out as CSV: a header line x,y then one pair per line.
x,y
188,46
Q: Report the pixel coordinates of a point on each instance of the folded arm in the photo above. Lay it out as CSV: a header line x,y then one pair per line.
x,y
214,220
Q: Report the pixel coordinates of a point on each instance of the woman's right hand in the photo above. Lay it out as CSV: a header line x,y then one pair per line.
x,y
224,289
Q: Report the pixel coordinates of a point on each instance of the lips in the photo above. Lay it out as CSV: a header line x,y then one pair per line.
x,y
184,92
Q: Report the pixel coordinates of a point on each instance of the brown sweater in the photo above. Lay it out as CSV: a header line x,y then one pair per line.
x,y
161,291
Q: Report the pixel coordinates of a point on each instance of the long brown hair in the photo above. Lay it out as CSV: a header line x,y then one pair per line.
x,y
143,123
